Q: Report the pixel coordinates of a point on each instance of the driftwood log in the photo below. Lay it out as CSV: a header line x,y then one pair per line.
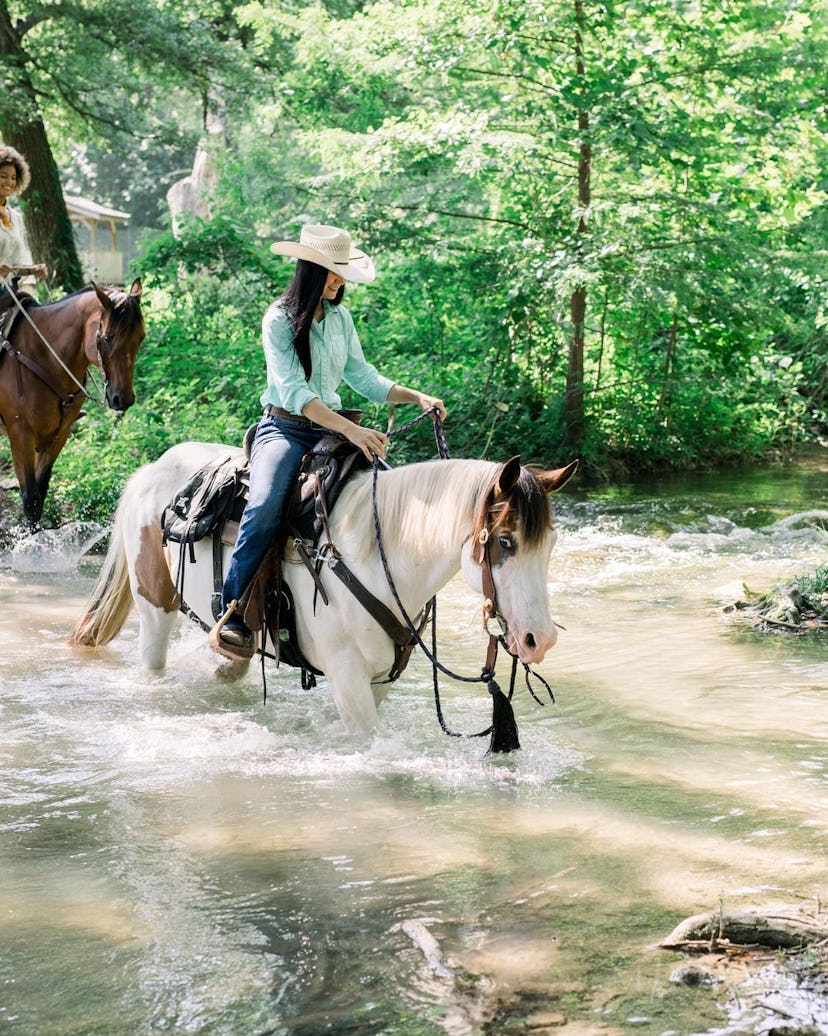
x,y
783,928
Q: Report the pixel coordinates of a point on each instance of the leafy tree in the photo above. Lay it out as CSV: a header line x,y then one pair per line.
x,y
599,227
84,72
21,124
615,169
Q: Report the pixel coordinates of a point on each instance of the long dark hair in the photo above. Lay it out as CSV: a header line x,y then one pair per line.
x,y
300,300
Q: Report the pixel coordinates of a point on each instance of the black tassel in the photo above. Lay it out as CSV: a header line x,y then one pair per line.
x,y
504,728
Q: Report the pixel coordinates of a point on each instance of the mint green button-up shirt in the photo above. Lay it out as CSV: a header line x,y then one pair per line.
x,y
336,356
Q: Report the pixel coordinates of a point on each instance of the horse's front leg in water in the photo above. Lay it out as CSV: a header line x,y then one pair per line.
x,y
350,685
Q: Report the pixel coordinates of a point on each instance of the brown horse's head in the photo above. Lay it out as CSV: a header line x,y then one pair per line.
x,y
117,340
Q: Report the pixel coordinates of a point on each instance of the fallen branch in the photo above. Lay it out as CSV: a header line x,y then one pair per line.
x,y
705,933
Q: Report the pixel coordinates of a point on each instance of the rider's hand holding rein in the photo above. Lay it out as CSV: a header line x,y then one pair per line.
x,y
401,394
369,440
39,270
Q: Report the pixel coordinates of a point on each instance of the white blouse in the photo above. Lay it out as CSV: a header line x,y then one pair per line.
x,y
14,251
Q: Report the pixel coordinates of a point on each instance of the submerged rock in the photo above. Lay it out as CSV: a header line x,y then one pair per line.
x,y
693,975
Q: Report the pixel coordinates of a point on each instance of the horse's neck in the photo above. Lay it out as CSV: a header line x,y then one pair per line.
x,y
426,512
69,327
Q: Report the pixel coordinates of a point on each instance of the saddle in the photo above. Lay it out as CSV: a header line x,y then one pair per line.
x,y
211,504
10,311
324,472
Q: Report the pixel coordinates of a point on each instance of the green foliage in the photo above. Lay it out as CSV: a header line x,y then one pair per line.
x,y
453,140
813,586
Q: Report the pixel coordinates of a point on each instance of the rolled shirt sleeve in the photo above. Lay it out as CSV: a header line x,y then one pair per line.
x,y
336,356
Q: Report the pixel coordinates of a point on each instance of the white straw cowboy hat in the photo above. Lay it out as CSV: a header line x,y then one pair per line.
x,y
332,248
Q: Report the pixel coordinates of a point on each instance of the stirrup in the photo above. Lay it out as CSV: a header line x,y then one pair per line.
x,y
238,652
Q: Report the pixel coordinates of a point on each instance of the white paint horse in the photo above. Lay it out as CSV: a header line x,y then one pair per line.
x,y
431,516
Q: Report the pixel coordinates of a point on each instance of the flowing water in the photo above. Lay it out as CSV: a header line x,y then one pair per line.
x,y
177,857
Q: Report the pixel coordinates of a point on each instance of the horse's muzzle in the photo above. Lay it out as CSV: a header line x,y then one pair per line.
x,y
119,400
531,645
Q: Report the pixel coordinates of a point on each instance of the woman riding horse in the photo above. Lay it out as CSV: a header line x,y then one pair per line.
x,y
14,251
310,346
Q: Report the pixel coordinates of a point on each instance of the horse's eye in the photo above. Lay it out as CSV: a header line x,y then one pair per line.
x,y
507,544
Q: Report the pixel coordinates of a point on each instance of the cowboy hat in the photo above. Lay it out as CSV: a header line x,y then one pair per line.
x,y
331,248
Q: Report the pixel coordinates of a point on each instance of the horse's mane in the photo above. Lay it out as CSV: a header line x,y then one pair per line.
x,y
437,502
127,306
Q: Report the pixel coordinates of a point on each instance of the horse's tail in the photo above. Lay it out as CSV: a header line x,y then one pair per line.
x,y
111,598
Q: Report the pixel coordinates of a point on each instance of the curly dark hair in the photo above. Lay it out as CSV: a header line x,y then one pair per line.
x,y
9,156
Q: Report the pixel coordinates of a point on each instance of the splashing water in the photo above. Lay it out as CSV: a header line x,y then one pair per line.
x,y
56,550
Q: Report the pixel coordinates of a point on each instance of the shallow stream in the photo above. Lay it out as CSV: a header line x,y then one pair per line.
x,y
178,857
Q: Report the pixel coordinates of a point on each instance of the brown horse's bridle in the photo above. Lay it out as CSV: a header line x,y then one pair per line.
x,y
66,400
106,338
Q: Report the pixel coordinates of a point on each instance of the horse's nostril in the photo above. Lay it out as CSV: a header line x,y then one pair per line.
x,y
530,641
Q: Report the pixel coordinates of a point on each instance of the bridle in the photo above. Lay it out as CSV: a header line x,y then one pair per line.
x,y
81,388
502,728
105,338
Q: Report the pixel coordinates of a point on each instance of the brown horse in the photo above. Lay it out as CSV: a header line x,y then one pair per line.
x,y
43,371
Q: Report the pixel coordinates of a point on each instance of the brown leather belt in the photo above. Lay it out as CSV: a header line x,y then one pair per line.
x,y
304,422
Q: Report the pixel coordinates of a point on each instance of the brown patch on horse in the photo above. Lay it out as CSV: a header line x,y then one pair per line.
x,y
154,580
517,498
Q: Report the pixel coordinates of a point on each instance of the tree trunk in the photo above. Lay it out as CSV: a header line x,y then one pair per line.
x,y
779,926
574,402
48,226
669,362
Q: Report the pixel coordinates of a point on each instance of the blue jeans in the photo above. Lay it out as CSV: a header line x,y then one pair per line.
x,y
275,458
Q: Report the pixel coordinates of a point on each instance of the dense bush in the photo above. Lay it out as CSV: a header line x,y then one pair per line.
x,y
201,371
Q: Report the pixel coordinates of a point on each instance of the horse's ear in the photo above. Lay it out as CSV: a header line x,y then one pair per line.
x,y
104,299
137,288
552,481
507,479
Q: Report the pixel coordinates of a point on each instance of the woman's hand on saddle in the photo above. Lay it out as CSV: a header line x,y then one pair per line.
x,y
369,440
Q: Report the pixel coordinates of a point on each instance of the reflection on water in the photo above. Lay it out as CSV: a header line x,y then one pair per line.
x,y
178,857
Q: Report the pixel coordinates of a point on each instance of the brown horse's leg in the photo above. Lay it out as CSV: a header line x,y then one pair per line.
x,y
23,457
45,459
43,475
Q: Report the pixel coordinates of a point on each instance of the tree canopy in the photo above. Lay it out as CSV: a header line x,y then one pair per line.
x,y
600,227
